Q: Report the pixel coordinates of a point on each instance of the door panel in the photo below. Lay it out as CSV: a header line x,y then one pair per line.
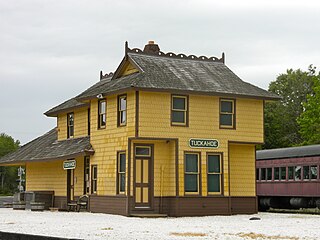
x,y
142,179
70,185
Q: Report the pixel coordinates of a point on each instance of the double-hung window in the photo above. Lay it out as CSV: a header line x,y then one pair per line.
x,y
102,116
94,178
122,110
227,113
214,174
70,125
121,172
179,110
191,175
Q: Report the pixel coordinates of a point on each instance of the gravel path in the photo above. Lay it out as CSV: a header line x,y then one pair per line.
x,y
103,226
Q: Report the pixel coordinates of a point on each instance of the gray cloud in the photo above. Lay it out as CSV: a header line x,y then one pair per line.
x,y
51,50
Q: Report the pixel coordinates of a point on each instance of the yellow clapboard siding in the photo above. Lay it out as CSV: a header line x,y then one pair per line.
x,y
154,121
106,142
80,123
50,176
242,170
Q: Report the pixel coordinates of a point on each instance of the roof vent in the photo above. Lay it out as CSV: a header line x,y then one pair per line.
x,y
151,47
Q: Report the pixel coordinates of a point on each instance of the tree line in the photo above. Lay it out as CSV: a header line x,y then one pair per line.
x,y
295,119
8,175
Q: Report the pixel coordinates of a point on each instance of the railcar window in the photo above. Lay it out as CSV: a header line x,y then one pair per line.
x,y
297,173
257,174
283,173
306,174
276,173
290,173
269,173
263,174
314,172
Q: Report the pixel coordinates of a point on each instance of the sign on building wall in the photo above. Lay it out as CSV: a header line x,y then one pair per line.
x,y
203,143
69,164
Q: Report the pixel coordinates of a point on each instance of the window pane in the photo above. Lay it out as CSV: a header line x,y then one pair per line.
x,y
70,116
297,173
123,103
179,103
102,107
226,106
276,173
122,183
314,172
226,119
306,174
71,131
102,120
257,174
191,183
123,116
94,174
283,173
122,163
178,117
263,174
214,183
269,173
143,151
213,164
192,163
290,172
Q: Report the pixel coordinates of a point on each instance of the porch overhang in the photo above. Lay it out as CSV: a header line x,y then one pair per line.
x,y
48,148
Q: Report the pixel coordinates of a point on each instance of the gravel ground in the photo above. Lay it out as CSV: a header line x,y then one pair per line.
x,y
104,226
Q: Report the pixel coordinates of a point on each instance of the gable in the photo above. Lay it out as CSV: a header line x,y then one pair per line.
x,y
127,69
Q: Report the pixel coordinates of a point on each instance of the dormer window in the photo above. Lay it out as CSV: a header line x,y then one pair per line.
x,y
122,110
70,125
102,116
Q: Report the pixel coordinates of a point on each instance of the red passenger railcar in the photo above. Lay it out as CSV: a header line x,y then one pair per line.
x,y
288,177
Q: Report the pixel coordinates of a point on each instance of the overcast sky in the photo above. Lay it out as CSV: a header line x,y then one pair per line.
x,y
51,50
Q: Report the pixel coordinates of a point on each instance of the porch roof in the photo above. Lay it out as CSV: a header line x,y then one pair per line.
x,y
47,147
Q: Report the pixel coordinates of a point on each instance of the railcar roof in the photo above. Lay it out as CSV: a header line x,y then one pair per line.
x,y
304,151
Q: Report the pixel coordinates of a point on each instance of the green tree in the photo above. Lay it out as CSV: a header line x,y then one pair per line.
x,y
309,120
281,126
8,175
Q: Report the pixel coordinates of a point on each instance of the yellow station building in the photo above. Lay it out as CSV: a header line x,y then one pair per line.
x,y
165,134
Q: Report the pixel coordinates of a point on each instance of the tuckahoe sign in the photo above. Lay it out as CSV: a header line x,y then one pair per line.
x,y
69,164
203,143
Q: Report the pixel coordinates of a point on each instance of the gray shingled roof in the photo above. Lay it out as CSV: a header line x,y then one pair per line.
x,y
64,107
173,74
304,151
46,147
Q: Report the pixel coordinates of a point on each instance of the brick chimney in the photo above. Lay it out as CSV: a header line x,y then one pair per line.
x,y
151,47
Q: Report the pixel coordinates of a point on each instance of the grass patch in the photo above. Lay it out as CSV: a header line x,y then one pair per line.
x,y
188,234
253,235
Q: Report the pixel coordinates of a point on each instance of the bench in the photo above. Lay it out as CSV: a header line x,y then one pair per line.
x,y
81,203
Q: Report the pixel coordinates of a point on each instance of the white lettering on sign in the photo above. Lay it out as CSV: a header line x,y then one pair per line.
x,y
70,164
203,143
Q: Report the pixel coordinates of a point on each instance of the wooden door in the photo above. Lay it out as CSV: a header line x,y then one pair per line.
x,y
143,178
70,185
